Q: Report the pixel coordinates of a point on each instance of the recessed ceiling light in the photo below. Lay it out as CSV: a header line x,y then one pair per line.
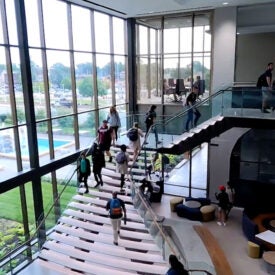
x,y
225,3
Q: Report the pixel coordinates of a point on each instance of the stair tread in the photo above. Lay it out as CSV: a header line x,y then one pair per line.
x,y
104,229
111,261
80,266
105,238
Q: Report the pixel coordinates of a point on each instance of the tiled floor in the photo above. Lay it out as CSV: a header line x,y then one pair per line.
x,y
230,238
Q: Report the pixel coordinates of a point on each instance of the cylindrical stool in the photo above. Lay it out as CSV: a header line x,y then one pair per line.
x,y
174,202
208,213
269,258
253,250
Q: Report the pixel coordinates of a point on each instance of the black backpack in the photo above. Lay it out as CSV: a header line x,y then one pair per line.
x,y
260,81
133,134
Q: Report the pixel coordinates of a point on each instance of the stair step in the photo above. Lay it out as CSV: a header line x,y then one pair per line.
x,y
149,256
104,229
106,238
102,211
79,265
98,202
108,260
103,195
102,220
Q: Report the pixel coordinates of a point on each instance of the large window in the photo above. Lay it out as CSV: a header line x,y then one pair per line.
x,y
56,86
175,50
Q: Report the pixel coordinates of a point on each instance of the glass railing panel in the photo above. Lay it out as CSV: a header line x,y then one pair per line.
x,y
64,189
17,250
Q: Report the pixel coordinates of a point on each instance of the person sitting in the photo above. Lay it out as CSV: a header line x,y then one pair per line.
x,y
167,90
146,188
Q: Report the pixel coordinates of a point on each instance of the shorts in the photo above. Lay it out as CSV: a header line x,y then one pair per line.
x,y
266,93
105,147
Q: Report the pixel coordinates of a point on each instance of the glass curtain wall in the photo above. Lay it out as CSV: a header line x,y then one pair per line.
x,y
175,51
75,74
173,54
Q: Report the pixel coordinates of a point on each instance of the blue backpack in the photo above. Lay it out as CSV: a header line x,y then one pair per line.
x,y
115,207
121,158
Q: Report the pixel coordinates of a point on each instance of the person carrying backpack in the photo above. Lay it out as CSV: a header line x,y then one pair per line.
x,y
116,206
84,170
122,159
134,135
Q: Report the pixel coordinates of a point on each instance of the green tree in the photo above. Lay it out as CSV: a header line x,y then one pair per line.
x,y
84,68
57,73
85,87
65,122
102,87
66,83
36,71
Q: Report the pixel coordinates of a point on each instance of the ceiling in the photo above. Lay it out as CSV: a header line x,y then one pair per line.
x,y
141,8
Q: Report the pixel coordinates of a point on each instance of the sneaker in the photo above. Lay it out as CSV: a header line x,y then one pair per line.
x,y
101,183
224,223
110,159
265,111
96,185
219,223
87,191
115,243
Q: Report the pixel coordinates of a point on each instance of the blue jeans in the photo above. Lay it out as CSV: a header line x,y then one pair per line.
x,y
190,116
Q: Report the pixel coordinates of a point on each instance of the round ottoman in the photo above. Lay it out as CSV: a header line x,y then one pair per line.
x,y
269,258
253,250
174,202
192,204
208,213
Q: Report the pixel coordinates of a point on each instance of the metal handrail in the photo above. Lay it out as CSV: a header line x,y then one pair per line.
x,y
149,209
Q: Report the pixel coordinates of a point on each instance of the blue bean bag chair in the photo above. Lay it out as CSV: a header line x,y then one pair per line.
x,y
193,214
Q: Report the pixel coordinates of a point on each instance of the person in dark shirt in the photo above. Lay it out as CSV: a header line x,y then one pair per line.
x,y
267,87
150,120
223,204
98,160
177,267
190,101
105,138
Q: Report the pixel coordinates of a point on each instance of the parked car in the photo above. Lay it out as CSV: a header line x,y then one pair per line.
x,y
65,102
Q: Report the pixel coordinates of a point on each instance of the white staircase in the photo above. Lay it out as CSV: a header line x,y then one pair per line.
x,y
82,241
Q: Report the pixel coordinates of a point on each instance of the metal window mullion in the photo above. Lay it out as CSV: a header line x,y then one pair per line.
x,y
11,86
45,76
113,72
73,79
162,58
30,114
94,69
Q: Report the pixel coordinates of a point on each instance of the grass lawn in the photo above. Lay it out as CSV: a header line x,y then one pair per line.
x,y
10,203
